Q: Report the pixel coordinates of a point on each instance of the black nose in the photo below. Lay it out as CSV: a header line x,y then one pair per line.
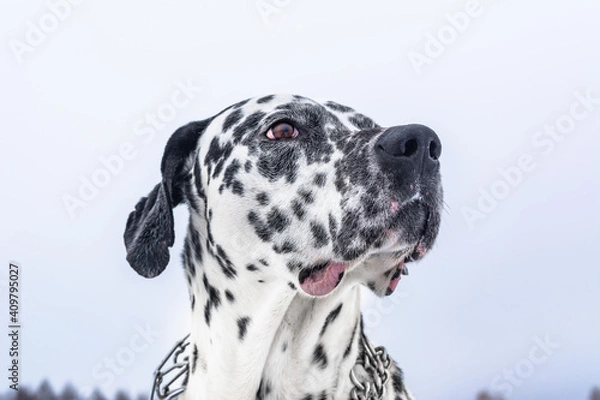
x,y
409,152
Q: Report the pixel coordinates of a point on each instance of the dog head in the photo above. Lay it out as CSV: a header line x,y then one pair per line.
x,y
316,191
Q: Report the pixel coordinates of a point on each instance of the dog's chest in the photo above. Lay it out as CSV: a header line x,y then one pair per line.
x,y
308,368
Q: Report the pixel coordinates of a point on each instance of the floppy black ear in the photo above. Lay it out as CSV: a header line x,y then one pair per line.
x,y
149,231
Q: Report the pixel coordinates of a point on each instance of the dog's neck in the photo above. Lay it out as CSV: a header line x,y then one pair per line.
x,y
266,338
253,337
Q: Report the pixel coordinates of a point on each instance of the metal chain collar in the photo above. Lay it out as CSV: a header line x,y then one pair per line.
x,y
178,372
375,361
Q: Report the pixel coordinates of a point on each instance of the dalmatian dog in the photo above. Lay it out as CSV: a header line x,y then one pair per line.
x,y
294,204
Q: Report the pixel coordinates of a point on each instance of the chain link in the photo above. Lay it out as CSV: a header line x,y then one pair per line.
x,y
178,371
375,361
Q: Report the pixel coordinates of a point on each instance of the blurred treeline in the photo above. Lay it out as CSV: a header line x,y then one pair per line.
x,y
45,392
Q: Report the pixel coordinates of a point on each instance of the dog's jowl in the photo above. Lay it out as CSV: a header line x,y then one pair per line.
x,y
294,205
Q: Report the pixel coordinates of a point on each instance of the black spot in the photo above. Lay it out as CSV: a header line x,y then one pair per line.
x,y
319,357
338,107
188,262
242,324
251,122
320,179
218,167
261,229
196,247
198,184
251,267
294,265
323,395
307,397
263,262
330,318
292,286
371,285
340,183
261,281
240,104
232,119
298,209
284,347
229,296
237,188
213,301
193,302
207,309
264,388
349,346
226,265
230,173
277,220
332,226
398,382
259,392
262,198
361,121
265,99
194,358
248,166
218,155
307,196
210,240
191,197
286,247
213,293
319,234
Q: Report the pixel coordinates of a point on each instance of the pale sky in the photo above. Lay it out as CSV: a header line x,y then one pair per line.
x,y
523,271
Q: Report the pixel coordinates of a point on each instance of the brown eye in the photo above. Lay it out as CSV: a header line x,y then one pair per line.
x,y
282,130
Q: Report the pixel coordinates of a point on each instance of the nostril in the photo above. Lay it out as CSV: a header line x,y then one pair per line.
x,y
408,152
434,150
410,147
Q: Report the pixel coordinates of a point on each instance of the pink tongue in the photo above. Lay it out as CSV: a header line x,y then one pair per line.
x,y
394,282
321,282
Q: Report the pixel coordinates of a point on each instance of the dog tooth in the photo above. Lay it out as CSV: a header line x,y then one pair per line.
x,y
404,270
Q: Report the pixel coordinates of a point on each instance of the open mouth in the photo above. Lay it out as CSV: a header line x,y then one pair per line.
x,y
322,279
424,233
399,270
417,253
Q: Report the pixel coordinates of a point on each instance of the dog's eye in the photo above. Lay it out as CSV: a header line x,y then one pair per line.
x,y
282,130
